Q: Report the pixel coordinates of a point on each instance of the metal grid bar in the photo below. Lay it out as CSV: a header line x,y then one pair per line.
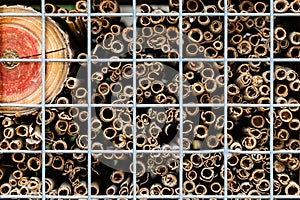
x,y
180,102
153,151
154,197
160,60
43,100
134,21
89,100
149,105
225,153
156,60
146,14
271,98
181,105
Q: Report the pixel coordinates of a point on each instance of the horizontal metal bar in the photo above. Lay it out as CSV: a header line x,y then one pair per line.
x,y
40,60
286,196
149,196
66,14
265,152
203,151
144,14
286,151
191,105
156,105
286,105
146,105
116,151
247,105
120,151
191,59
249,197
183,14
286,15
153,196
156,60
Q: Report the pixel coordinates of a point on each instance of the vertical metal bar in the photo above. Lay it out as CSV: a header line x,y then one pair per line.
x,y
225,97
89,46
180,103
134,20
271,96
43,98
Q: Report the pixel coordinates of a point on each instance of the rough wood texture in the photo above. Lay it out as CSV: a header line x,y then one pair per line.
x,y
21,37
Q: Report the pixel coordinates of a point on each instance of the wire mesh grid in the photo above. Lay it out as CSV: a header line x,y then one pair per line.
x,y
225,105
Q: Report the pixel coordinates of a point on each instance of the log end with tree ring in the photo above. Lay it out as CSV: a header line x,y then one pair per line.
x,y
24,83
